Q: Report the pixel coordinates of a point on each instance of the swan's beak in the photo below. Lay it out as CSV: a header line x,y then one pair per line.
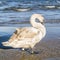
x,y
42,23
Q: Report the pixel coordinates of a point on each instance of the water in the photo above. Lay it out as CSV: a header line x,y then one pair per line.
x,y
8,13
11,18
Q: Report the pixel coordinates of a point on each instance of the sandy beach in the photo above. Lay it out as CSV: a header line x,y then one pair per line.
x,y
48,48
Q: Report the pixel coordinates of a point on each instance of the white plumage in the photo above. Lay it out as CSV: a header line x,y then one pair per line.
x,y
28,37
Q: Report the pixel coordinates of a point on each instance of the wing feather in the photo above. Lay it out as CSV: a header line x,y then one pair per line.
x,y
23,33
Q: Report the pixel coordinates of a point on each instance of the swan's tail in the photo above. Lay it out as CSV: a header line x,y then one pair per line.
x,y
5,43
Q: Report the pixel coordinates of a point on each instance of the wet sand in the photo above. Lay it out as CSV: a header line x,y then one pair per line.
x,y
48,47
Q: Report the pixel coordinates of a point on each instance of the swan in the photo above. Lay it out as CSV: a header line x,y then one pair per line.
x,y
28,37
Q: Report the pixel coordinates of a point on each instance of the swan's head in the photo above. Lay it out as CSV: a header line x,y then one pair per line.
x,y
35,18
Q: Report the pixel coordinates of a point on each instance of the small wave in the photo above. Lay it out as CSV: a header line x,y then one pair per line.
x,y
28,8
21,9
18,7
49,7
52,7
12,5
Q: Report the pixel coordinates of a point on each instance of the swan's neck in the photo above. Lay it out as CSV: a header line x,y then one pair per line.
x,y
36,24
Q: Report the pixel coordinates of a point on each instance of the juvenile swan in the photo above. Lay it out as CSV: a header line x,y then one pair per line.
x,y
28,37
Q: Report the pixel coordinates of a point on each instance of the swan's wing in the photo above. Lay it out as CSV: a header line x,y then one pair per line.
x,y
22,33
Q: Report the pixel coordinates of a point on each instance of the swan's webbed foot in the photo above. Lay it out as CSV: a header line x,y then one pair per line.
x,y
34,52
31,51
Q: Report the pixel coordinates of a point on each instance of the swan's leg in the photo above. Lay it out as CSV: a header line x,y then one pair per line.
x,y
32,51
